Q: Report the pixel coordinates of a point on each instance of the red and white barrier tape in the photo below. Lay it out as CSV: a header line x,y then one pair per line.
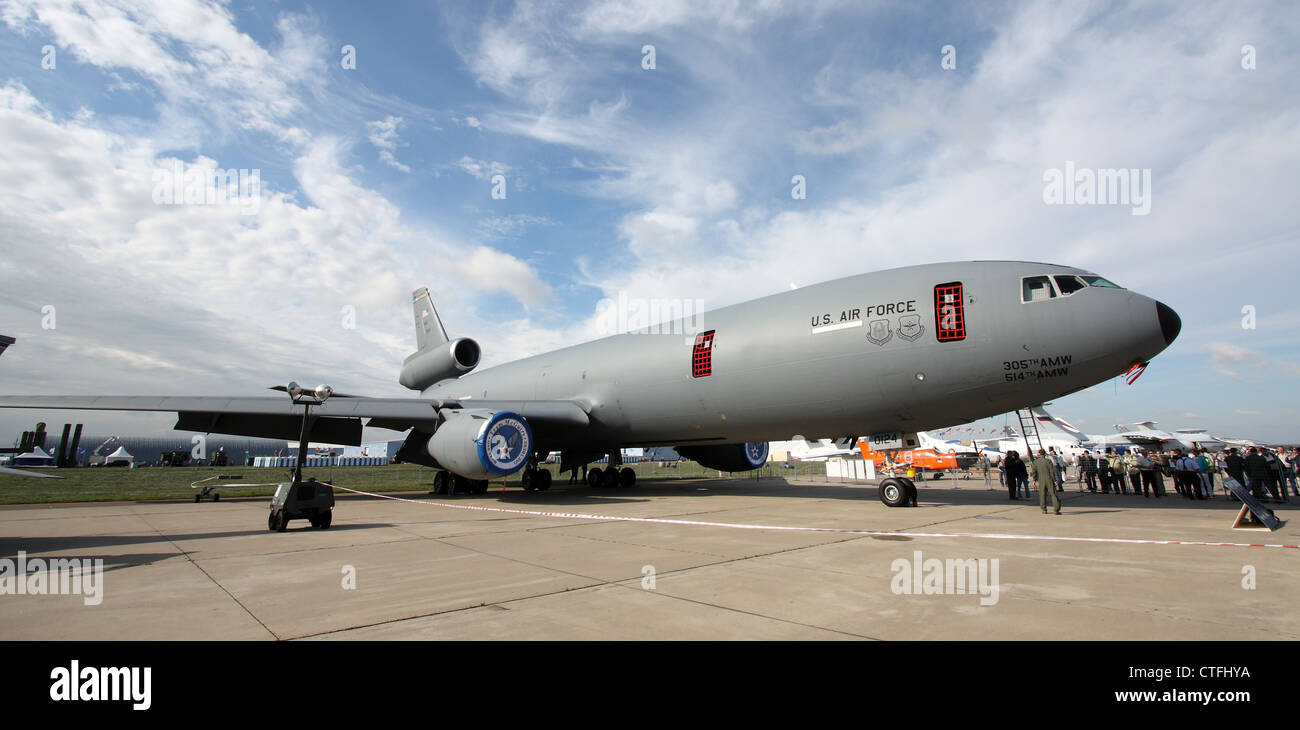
x,y
788,528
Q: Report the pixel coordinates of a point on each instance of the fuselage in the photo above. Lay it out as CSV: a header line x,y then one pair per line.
x,y
907,349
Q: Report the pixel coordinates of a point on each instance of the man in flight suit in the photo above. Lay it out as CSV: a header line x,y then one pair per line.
x,y
1045,478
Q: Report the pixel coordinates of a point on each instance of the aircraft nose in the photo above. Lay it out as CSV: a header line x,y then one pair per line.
x,y
1170,323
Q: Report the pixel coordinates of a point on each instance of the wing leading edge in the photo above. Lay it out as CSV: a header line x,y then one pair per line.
x,y
338,420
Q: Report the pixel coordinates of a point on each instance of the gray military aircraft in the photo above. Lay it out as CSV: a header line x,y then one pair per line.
x,y
887,353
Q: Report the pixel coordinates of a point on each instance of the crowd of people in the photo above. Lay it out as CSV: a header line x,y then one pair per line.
x,y
1193,473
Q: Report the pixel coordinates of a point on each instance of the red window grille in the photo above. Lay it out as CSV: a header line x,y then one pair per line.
x,y
702,355
949,312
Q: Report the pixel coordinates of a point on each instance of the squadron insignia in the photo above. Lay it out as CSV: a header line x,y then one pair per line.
x,y
880,332
910,327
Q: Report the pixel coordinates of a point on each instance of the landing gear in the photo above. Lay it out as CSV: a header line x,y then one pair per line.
x,y
594,475
897,492
627,477
535,478
441,483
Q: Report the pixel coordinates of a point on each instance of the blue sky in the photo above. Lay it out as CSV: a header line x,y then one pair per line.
x,y
672,182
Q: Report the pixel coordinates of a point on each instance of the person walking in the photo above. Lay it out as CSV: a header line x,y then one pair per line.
x,y
1045,480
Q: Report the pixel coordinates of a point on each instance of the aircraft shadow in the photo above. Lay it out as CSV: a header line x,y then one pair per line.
x,y
42,546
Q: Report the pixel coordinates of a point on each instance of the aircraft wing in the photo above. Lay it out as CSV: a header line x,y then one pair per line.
x,y
6,471
338,420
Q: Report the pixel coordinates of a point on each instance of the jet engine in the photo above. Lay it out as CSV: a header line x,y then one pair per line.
x,y
481,444
727,457
439,362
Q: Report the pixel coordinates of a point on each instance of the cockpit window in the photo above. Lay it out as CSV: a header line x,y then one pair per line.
x,y
1036,289
1094,280
1068,285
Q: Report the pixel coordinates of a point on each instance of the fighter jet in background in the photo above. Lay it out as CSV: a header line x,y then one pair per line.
x,y
885,354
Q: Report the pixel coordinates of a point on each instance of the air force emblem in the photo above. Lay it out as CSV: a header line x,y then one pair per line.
x,y
880,332
910,327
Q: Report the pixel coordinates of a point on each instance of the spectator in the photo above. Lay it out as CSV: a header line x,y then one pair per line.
x,y
1017,475
1147,468
1260,474
1088,467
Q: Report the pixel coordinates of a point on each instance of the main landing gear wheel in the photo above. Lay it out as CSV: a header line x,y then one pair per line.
x,y
541,480
609,477
526,479
627,477
593,477
894,492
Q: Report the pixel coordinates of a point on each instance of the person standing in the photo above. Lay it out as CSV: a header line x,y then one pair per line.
x,y
1045,480
1117,471
1058,464
1259,473
1147,469
1088,467
1017,474
1235,467
1275,472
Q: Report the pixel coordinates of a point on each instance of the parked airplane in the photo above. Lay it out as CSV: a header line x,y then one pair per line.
x,y
887,354
921,459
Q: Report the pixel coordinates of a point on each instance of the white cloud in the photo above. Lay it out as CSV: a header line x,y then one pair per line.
x,y
383,135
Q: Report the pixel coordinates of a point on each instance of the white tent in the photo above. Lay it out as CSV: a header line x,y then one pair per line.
x,y
35,457
119,456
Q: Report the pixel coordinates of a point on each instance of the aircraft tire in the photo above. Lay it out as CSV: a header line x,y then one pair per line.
x,y
609,477
527,478
894,492
441,481
627,477
542,480
593,477
911,491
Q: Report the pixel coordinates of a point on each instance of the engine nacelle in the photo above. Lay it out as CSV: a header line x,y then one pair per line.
x,y
481,444
448,360
727,457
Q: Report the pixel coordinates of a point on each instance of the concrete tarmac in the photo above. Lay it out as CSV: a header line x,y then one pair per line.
x,y
181,570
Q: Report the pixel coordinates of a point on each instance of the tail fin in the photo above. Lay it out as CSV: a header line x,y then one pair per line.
x,y
1042,416
428,326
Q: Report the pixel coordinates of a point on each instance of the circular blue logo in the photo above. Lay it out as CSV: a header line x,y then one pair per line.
x,y
506,443
756,452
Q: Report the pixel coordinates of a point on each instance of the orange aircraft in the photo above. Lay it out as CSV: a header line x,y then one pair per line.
x,y
920,459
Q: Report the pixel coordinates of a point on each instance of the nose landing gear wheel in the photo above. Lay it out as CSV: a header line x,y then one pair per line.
x,y
894,492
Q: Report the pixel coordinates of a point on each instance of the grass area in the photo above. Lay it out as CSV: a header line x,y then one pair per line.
x,y
153,483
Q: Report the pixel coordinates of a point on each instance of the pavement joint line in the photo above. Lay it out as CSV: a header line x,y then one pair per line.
x,y
791,528
598,583
207,575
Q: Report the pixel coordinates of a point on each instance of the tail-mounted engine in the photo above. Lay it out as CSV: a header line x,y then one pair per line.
x,y
439,362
